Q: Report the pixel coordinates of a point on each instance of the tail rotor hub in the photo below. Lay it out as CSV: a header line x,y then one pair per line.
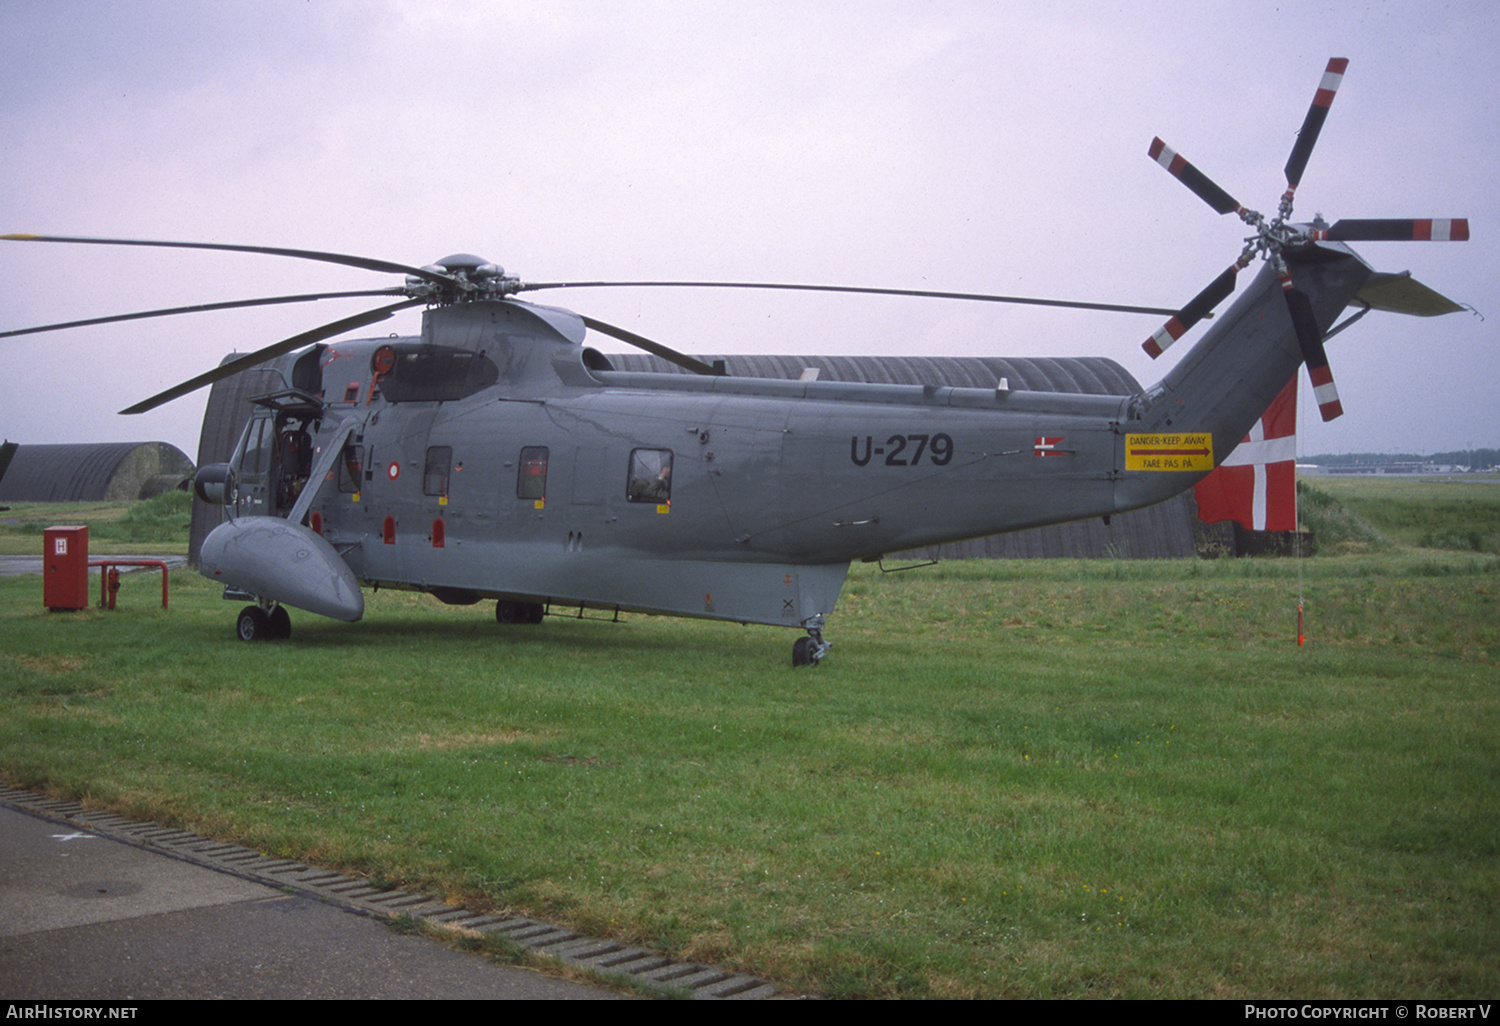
x,y
1275,237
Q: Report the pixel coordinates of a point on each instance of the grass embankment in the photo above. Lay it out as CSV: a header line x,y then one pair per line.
x,y
157,525
1459,512
1038,779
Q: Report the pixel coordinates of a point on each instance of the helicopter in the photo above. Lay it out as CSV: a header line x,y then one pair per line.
x,y
498,457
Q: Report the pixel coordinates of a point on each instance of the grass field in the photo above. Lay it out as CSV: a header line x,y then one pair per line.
x,y
1030,779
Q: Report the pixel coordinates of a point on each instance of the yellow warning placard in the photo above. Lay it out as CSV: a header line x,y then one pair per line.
x,y
1169,452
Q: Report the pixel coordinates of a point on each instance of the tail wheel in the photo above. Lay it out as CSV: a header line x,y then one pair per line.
x,y
802,652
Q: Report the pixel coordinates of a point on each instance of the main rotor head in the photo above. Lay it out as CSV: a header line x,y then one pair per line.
x,y
462,277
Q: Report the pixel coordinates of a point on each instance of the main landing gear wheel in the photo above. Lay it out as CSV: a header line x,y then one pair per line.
x,y
518,612
254,624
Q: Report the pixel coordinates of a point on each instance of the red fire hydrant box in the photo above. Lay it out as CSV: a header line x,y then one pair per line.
x,y
65,568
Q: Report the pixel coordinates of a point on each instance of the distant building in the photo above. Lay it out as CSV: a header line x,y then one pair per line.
x,y
94,471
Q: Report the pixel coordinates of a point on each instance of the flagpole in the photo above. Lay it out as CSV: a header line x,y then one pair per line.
x,y
1297,518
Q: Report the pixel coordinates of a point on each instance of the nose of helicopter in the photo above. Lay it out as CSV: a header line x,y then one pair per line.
x,y
283,562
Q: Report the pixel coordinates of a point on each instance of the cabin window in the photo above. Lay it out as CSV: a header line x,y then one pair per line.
x,y
650,476
531,477
435,470
351,467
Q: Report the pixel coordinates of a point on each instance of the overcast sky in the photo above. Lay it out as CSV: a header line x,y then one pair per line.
x,y
981,147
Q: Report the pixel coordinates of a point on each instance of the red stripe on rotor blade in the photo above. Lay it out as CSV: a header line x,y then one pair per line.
x,y
1333,77
1325,393
1167,157
1441,229
1164,337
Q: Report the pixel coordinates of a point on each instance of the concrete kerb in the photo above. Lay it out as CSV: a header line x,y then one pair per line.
x,y
603,957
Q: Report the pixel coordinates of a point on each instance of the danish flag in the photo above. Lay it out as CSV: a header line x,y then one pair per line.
x,y
1257,484
1048,446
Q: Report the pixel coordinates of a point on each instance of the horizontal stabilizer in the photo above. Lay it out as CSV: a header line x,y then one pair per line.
x,y
1401,293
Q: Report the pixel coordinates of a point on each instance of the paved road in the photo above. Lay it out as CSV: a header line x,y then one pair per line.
x,y
14,566
85,917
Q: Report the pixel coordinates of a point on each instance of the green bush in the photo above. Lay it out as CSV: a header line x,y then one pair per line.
x,y
1334,526
163,518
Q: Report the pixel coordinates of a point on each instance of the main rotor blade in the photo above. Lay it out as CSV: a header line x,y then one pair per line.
x,y
364,263
200,308
1313,123
271,352
1310,338
1435,229
654,348
1198,308
921,293
1204,187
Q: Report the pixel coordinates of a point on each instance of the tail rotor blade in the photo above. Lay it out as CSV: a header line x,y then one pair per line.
x,y
1333,75
1435,229
1198,308
1204,187
1310,338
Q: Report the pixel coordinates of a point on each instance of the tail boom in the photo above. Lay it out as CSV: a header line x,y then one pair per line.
x,y
1226,381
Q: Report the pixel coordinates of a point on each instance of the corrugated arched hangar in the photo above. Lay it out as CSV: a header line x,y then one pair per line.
x,y
94,471
1158,532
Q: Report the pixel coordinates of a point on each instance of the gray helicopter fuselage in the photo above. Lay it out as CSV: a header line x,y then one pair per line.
x,y
496,457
